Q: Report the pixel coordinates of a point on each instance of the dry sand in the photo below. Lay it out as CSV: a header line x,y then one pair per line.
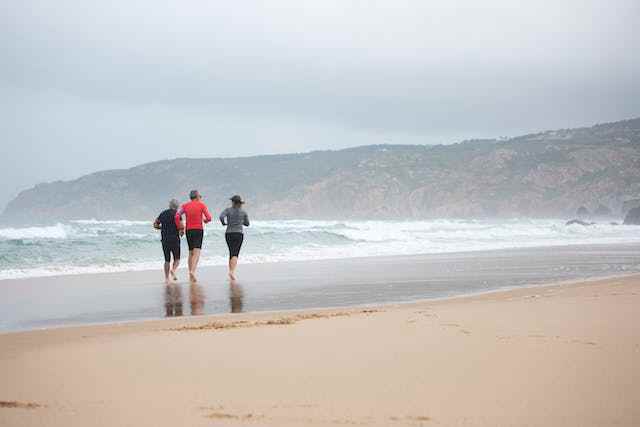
x,y
545,356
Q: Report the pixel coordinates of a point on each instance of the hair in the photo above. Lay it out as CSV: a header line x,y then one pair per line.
x,y
193,194
173,204
236,204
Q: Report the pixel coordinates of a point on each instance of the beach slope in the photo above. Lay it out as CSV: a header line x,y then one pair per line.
x,y
554,355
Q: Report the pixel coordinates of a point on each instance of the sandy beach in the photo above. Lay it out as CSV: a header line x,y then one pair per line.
x,y
540,356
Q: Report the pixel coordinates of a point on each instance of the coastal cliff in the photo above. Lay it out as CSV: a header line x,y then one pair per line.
x,y
546,174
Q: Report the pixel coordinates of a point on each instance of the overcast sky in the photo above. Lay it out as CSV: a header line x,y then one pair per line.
x,y
91,85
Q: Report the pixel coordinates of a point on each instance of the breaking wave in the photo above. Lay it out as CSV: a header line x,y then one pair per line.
x,y
57,231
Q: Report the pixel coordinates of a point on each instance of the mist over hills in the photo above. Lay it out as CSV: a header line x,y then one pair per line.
x,y
548,174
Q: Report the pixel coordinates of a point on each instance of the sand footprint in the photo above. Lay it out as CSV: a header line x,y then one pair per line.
x,y
15,404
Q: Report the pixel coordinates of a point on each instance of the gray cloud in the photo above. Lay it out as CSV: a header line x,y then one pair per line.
x,y
92,85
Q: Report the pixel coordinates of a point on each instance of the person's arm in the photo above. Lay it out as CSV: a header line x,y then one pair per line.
x,y
156,224
179,219
223,217
246,219
207,215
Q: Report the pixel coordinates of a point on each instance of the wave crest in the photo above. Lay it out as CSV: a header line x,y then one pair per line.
x,y
58,231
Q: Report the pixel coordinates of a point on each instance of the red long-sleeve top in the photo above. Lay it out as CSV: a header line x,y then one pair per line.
x,y
195,211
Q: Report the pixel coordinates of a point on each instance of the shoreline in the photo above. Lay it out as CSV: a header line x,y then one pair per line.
x,y
376,306
555,354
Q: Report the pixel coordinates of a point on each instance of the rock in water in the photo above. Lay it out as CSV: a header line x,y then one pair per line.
x,y
632,217
577,221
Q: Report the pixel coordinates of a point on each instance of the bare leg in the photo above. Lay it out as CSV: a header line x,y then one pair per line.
x,y
233,263
195,253
176,263
167,268
190,264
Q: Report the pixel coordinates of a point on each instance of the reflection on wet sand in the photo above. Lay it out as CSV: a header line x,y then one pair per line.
x,y
236,295
173,300
196,297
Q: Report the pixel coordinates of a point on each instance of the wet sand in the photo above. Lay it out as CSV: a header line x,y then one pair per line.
x,y
541,356
114,297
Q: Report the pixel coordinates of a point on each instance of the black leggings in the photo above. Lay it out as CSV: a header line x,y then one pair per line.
x,y
234,242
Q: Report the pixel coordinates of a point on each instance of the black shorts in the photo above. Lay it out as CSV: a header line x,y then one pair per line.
x,y
234,242
194,238
171,247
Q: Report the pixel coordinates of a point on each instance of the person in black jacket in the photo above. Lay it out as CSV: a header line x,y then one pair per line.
x,y
170,237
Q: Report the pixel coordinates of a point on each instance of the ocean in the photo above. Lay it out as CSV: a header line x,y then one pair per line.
x,y
92,246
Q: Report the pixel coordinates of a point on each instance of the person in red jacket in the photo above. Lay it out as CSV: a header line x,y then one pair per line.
x,y
196,213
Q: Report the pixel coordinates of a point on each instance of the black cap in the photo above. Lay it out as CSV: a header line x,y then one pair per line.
x,y
193,194
237,199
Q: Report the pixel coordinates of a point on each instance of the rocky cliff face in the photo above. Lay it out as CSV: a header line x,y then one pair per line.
x,y
547,174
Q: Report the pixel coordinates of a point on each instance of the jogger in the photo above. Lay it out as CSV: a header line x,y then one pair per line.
x,y
234,218
196,212
165,222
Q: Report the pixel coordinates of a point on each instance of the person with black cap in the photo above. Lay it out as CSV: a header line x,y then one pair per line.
x,y
234,218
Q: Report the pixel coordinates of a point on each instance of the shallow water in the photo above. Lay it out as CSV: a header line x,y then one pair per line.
x,y
96,298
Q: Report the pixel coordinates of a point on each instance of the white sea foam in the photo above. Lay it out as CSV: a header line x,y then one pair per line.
x,y
58,231
64,270
119,222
